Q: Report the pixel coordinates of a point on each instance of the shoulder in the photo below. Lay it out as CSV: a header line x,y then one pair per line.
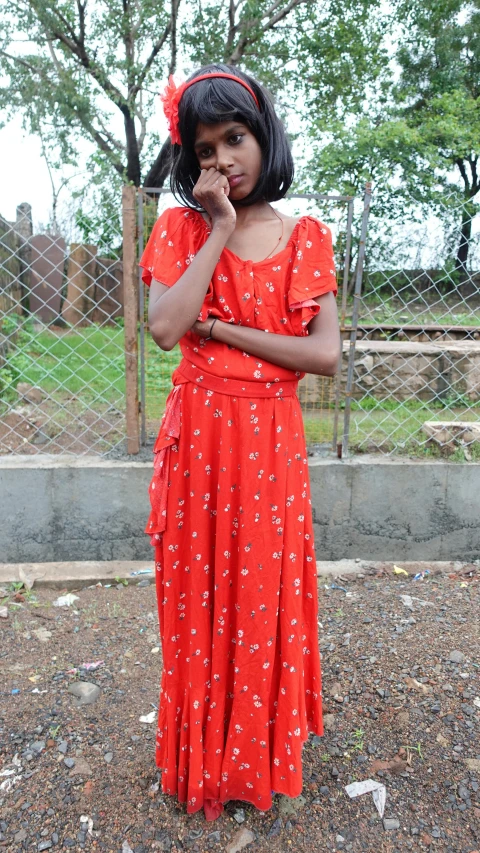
x,y
313,227
175,217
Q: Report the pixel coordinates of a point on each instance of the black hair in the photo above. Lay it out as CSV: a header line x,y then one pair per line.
x,y
221,100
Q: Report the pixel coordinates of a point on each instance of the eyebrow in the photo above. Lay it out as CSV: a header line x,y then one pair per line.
x,y
204,142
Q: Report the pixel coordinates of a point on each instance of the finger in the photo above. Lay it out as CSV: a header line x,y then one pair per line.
x,y
213,178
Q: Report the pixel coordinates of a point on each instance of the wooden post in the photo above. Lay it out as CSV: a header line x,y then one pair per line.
x,y
82,267
130,301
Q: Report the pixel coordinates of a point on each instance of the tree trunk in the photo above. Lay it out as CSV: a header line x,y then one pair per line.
x,y
464,245
133,157
467,285
159,170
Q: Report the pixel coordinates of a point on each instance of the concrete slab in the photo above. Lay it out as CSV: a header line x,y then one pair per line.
x,y
73,575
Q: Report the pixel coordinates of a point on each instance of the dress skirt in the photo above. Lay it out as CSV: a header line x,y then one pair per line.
x,y
237,594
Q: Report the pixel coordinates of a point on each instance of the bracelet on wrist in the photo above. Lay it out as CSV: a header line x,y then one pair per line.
x,y
210,338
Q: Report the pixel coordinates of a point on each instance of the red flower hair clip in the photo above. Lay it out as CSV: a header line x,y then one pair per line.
x,y
170,99
172,95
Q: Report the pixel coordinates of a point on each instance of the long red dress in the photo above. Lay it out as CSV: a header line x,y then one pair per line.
x,y
232,528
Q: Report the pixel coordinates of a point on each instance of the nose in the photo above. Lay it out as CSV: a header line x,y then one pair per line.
x,y
224,158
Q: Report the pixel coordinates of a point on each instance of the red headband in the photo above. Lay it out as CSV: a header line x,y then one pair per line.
x,y
172,95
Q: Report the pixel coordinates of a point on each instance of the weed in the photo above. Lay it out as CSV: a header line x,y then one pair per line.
x,y
358,739
410,749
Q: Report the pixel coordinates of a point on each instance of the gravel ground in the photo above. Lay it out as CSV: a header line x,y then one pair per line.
x,y
401,662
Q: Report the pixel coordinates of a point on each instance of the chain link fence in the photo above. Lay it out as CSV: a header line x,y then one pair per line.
x,y
80,374
62,361
415,359
320,396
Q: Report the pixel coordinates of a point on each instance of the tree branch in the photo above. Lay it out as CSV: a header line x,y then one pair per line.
x,y
282,14
273,17
461,165
103,145
148,64
232,28
143,124
173,30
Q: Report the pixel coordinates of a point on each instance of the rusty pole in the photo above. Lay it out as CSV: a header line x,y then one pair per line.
x,y
130,301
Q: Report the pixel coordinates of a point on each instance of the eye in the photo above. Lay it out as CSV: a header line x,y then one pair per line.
x,y
204,153
236,138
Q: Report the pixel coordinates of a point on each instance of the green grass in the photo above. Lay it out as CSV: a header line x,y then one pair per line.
x,y
88,363
159,367
380,309
389,425
85,369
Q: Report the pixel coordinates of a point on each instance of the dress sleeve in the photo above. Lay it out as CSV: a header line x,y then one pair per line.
x,y
313,272
168,251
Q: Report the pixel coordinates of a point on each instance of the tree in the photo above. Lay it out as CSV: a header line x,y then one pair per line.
x,y
439,97
74,67
417,133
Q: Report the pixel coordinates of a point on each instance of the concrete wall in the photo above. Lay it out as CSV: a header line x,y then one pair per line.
x,y
372,508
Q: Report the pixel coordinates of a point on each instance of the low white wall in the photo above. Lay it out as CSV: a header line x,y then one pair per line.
x,y
52,509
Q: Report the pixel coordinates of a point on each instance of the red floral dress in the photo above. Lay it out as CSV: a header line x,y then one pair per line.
x,y
231,524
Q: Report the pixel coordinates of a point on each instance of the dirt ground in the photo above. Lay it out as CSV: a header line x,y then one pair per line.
x,y
402,707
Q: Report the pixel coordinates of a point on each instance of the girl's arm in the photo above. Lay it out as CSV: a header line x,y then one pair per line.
x,y
318,352
173,310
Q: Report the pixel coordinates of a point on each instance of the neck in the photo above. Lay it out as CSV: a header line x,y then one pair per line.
x,y
260,210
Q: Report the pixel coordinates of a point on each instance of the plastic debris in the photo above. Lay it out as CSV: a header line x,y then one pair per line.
x,y
476,702
88,666
398,571
378,791
148,718
407,601
65,600
15,691
85,818
142,572
13,773
421,575
335,586
26,579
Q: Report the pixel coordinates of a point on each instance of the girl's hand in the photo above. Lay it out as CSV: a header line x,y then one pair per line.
x,y
211,191
203,328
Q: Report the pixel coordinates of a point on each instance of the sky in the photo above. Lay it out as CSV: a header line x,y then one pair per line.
x,y
26,176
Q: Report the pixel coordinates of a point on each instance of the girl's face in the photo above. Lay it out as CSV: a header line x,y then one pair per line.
x,y
232,149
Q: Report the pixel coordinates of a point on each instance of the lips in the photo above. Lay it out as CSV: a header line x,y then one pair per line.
x,y
233,180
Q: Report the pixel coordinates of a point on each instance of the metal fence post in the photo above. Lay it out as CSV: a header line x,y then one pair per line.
x,y
346,276
356,302
130,299
141,308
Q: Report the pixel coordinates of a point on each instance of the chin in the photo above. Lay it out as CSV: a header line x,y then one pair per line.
x,y
239,195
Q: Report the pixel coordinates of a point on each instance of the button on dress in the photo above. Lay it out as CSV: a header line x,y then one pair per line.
x,y
231,524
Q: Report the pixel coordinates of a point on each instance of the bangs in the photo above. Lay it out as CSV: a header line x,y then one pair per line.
x,y
214,101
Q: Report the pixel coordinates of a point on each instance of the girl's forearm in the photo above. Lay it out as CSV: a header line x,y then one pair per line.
x,y
174,313
303,354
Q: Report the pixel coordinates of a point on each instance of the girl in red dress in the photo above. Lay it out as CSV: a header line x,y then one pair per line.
x,y
249,294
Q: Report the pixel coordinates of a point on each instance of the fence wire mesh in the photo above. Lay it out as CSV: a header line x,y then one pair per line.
x,y
416,368
320,396
409,380
62,371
